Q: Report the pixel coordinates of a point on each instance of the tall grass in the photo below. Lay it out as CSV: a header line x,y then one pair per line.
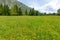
x,y
29,27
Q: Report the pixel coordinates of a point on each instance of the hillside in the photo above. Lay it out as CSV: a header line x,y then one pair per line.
x,y
15,2
23,6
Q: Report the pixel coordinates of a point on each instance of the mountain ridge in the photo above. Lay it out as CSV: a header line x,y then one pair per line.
x,y
20,4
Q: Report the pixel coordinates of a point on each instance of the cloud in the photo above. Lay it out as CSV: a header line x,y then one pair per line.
x,y
50,7
43,5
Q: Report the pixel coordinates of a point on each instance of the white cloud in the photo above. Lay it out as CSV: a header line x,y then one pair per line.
x,y
54,4
44,6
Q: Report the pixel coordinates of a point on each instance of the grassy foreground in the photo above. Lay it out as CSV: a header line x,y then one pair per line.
x,y
29,28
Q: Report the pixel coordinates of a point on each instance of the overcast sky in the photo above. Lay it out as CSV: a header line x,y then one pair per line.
x,y
43,5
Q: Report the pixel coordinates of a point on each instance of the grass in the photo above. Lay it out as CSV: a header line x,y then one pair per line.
x,y
29,27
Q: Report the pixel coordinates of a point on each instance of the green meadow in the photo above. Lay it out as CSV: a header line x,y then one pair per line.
x,y
29,27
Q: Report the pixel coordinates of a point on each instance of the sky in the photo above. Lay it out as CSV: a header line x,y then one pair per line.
x,y
48,6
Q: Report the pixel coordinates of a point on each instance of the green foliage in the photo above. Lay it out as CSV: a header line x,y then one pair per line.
x,y
33,12
1,9
37,13
26,13
58,11
14,10
19,12
6,10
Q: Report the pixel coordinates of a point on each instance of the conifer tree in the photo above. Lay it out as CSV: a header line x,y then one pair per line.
x,y
14,10
1,9
6,10
26,13
58,11
19,11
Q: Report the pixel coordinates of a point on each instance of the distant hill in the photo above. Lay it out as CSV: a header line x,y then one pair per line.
x,y
23,6
15,2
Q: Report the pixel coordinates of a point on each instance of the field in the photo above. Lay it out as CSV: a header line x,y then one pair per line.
x,y
29,27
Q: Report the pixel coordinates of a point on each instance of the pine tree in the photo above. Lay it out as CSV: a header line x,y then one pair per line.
x,y
26,13
58,11
6,10
1,9
36,13
14,10
19,11
32,12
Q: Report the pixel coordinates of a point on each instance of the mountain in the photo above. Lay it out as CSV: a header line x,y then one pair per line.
x,y
23,6
15,2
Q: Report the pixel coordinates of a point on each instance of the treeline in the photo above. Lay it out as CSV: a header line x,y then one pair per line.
x,y
8,11
15,10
